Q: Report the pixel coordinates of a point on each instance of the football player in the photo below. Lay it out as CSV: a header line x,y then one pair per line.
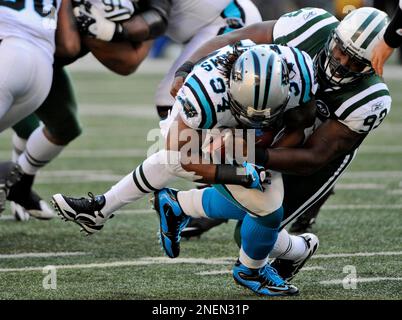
x,y
252,86
352,101
188,22
27,45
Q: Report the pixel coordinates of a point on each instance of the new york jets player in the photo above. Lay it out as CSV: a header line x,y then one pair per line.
x,y
120,44
27,45
351,102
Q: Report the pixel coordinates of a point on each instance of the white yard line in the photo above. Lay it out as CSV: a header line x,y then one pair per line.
x,y
164,260
41,255
357,254
360,280
362,207
359,186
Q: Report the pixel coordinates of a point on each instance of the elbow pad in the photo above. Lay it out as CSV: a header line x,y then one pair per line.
x,y
156,24
157,17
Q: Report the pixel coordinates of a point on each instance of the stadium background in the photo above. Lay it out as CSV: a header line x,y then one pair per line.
x,y
360,228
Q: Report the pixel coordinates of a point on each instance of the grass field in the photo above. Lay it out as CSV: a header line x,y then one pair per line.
x,y
360,226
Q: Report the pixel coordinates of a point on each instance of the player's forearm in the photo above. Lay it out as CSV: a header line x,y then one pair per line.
x,y
122,58
67,36
259,33
295,161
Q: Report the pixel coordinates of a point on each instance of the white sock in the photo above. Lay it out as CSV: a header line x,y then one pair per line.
x,y
39,151
249,262
288,247
148,177
19,145
191,203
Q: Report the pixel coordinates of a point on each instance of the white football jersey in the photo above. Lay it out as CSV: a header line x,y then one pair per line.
x,y
32,20
188,16
204,98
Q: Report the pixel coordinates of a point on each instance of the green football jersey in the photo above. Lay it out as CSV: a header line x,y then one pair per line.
x,y
361,106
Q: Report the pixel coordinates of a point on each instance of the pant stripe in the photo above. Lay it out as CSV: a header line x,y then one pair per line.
x,y
324,189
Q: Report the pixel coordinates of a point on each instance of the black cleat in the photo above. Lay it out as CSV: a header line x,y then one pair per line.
x,y
10,174
83,211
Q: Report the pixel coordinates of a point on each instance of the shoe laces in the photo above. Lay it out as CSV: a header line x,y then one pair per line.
x,y
271,276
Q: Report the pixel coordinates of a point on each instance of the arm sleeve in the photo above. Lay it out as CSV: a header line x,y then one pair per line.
x,y
393,34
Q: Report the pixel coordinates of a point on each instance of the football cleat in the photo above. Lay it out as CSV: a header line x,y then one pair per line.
x,y
10,174
197,226
287,269
172,220
19,212
83,211
33,206
264,281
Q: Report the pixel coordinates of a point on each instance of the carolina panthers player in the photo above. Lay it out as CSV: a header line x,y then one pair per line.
x,y
27,45
258,88
188,22
351,102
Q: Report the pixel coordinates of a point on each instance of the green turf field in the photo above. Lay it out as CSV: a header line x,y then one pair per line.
x,y
361,226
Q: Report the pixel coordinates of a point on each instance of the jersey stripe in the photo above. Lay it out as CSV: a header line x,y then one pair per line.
x,y
233,10
315,42
268,80
257,77
204,101
363,102
307,29
303,80
364,25
309,80
352,100
304,75
376,30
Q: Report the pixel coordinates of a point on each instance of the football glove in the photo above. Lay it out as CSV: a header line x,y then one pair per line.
x,y
256,175
91,22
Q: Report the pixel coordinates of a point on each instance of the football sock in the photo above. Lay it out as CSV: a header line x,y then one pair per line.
x,y
149,176
18,147
258,237
38,152
288,247
191,202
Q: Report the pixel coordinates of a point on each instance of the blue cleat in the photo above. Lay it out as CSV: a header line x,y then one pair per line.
x,y
264,281
172,220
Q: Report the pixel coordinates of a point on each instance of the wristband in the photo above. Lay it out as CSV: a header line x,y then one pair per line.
x,y
228,174
184,69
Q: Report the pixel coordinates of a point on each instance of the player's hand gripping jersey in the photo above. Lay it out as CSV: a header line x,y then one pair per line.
x,y
361,106
32,20
203,100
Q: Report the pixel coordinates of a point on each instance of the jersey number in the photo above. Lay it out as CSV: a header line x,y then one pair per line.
x,y
19,5
218,85
372,119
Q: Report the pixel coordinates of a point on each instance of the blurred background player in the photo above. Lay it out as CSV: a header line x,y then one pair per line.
x,y
27,45
121,46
